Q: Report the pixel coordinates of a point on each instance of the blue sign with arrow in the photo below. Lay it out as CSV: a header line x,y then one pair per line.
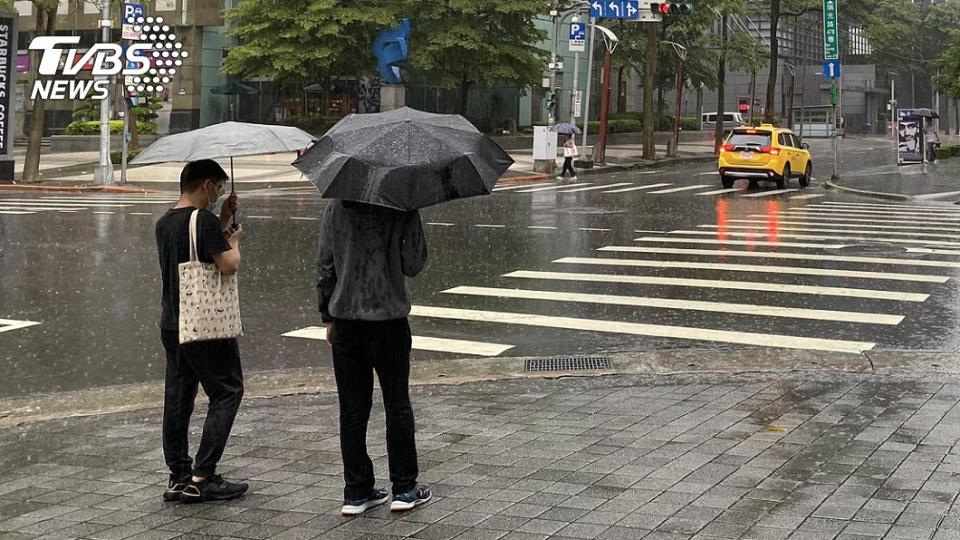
x,y
615,9
831,69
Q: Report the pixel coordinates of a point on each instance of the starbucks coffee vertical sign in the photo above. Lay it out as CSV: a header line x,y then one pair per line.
x,y
8,86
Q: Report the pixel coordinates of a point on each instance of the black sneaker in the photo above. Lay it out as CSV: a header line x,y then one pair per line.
x,y
175,486
407,501
213,488
355,507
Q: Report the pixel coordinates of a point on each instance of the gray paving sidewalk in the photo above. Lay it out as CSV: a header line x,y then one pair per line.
x,y
804,456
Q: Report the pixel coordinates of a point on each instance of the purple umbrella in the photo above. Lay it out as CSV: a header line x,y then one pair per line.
x,y
565,128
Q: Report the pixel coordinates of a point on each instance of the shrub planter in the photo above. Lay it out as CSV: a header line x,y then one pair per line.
x,y
91,143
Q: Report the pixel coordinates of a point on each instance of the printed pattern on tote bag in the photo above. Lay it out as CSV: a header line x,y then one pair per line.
x,y
209,300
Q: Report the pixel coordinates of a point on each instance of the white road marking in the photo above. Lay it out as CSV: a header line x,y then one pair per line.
x,y
422,343
711,173
15,212
592,229
767,193
545,227
643,231
655,330
595,188
765,269
53,204
780,227
441,224
848,219
775,255
488,226
935,252
845,212
926,208
678,240
724,284
867,225
7,325
935,196
521,186
107,213
549,188
47,200
778,234
678,189
260,217
669,303
807,196
638,188
298,218
39,208
67,211
140,214
719,191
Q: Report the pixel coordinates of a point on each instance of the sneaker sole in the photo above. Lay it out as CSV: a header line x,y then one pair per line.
x,y
398,506
348,510
171,496
192,499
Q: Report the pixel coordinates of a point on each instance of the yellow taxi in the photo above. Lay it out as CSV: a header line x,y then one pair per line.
x,y
766,153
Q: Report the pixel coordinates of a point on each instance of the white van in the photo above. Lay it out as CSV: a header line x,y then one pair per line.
x,y
730,120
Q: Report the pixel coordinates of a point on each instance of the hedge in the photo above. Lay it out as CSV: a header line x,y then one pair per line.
x,y
116,128
632,121
117,155
947,151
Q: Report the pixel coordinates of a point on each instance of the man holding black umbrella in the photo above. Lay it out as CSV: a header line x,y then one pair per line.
x,y
366,254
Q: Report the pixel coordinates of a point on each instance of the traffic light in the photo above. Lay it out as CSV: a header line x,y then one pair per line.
x,y
671,8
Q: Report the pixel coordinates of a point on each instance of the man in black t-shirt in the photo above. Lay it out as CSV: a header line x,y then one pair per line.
x,y
214,364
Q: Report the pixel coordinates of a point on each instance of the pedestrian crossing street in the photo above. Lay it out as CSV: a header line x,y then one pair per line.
x,y
658,188
103,204
792,278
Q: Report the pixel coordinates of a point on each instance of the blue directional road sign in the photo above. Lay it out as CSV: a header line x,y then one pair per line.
x,y
615,9
831,69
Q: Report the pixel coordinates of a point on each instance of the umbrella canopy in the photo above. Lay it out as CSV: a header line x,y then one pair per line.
x,y
404,159
315,88
234,88
227,139
565,128
926,113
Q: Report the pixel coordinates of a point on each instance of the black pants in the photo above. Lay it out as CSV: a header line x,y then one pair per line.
x,y
359,349
568,166
215,365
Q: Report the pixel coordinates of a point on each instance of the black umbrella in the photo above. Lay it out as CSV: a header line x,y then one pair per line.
x,y
404,159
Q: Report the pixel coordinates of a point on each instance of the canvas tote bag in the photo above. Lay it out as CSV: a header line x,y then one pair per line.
x,y
209,300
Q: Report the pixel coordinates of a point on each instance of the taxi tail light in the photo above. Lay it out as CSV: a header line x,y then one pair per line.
x,y
728,148
770,150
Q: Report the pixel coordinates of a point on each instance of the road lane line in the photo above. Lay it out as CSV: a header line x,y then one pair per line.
x,y
39,208
6,325
780,227
106,213
260,217
15,212
719,191
935,196
843,212
724,284
521,186
679,240
595,188
551,188
439,224
934,251
421,343
593,229
790,256
669,303
767,193
943,243
711,173
544,227
848,219
653,330
488,226
779,222
638,188
141,214
765,269
807,196
678,189
299,218
924,208
11,202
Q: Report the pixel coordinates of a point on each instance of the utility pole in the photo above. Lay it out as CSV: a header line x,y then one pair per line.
x,y
675,139
576,78
649,73
791,68
586,105
103,173
555,13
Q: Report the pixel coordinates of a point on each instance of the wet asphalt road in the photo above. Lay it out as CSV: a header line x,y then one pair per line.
x,y
90,277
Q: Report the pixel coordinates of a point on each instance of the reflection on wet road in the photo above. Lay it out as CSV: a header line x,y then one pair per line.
x,y
622,262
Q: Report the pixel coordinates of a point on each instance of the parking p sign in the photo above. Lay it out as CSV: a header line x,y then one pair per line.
x,y
129,19
578,37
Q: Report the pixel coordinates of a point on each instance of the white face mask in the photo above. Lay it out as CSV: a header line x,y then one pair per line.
x,y
211,204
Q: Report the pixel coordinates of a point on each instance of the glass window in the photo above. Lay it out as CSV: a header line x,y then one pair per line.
x,y
749,138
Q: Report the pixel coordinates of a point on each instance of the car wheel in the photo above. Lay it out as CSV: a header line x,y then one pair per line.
x,y
782,179
727,181
753,184
807,173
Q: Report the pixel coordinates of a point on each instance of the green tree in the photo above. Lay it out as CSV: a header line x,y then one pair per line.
x,y
465,43
780,9
747,53
45,14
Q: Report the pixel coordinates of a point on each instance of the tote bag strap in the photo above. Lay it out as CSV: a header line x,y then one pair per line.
x,y
193,235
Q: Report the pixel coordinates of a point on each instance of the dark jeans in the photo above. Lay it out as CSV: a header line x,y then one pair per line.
x,y
359,349
215,365
568,166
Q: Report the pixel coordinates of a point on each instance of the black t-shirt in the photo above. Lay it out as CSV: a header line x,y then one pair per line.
x,y
173,244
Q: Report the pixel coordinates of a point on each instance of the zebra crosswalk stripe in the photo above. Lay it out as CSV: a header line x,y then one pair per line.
x,y
807,196
792,214
812,210
719,191
679,240
7,325
781,227
551,188
790,256
654,330
594,188
669,303
918,208
638,188
521,186
678,189
723,284
422,343
766,269
867,225
778,234
768,193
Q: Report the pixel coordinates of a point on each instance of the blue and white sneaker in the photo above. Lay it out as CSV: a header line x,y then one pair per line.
x,y
409,500
355,507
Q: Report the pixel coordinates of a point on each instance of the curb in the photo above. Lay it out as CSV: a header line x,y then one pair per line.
x,y
640,165
830,184
511,180
76,189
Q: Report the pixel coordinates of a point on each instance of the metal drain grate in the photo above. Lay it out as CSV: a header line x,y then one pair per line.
x,y
567,363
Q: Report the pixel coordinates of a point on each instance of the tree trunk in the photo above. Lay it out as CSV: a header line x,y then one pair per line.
x,y
649,73
660,102
768,108
721,81
621,91
46,23
464,94
956,115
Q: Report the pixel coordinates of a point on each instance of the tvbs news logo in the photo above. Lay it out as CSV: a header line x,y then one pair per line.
x,y
146,65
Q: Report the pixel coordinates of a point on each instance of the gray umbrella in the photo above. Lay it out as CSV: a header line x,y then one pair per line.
x,y
926,113
404,159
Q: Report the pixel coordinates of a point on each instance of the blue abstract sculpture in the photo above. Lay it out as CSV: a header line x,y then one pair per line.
x,y
390,48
